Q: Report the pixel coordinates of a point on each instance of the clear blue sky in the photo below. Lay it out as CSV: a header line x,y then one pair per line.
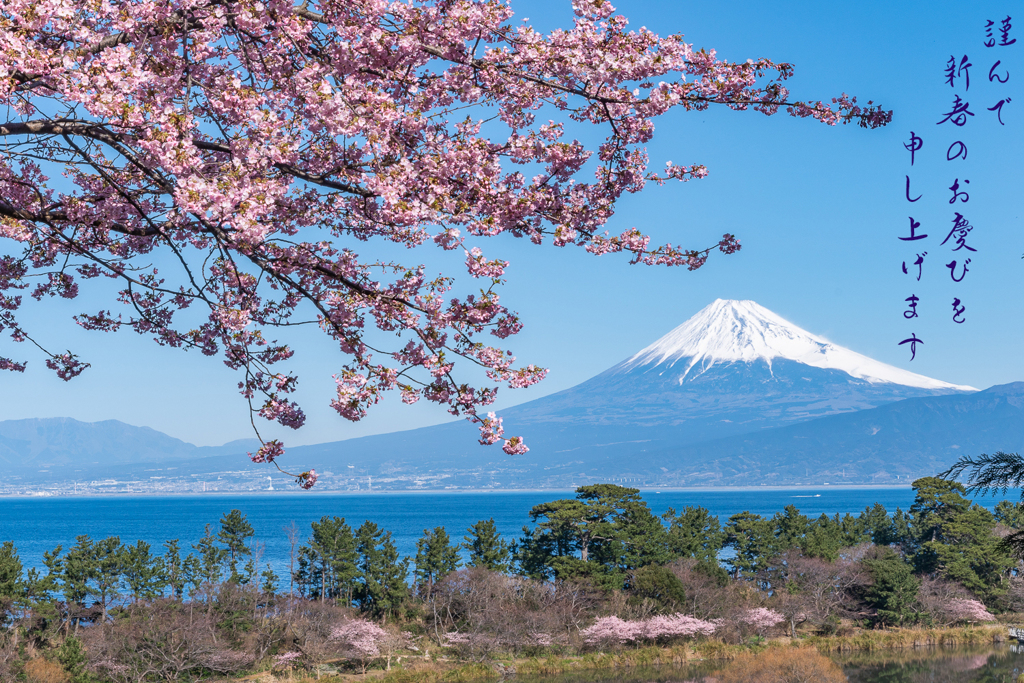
x,y
818,210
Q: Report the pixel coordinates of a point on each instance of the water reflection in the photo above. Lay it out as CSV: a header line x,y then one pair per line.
x,y
986,664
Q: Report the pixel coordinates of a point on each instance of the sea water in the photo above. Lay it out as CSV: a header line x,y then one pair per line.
x,y
36,525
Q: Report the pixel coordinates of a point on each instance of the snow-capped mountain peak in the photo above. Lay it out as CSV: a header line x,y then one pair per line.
x,y
743,331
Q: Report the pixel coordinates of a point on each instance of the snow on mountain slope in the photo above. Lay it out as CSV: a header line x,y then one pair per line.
x,y
743,331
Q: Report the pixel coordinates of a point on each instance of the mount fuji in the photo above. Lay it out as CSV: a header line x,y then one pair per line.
x,y
733,370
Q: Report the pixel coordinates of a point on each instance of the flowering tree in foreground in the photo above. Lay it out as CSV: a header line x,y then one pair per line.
x,y
224,163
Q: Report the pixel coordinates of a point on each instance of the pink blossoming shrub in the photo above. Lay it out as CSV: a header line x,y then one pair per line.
x,y
360,639
613,630
761,619
965,611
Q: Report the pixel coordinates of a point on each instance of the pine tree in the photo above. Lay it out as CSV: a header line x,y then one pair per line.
x,y
893,591
143,572
327,563
270,579
210,561
93,570
173,570
486,547
383,588
694,532
12,584
436,558
752,537
235,532
879,525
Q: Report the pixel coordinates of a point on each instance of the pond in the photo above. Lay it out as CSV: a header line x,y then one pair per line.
x,y
986,664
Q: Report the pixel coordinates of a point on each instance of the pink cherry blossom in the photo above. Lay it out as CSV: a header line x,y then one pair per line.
x,y
607,630
968,611
761,619
238,169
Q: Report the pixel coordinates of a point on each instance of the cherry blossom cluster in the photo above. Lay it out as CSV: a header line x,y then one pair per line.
x,y
286,660
267,152
760,619
615,630
362,638
964,610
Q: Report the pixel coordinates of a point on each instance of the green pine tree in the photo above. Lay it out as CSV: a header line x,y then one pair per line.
x,y
235,532
486,547
694,532
210,561
382,590
93,571
956,539
173,569
270,580
436,558
328,562
893,589
144,573
752,537
12,583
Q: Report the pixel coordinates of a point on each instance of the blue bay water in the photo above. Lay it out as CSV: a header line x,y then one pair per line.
x,y
36,525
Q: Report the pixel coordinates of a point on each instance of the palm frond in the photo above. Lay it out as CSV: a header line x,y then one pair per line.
x,y
989,473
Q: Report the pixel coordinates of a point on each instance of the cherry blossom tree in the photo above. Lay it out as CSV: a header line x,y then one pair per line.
x,y
613,630
361,639
963,610
229,164
760,619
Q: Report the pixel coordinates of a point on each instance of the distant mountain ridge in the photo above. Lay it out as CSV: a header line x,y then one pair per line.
x,y
736,395
65,442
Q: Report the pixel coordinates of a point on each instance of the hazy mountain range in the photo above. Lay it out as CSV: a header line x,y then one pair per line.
x,y
734,396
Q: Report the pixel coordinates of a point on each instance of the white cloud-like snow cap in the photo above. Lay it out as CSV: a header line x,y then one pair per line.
x,y
743,331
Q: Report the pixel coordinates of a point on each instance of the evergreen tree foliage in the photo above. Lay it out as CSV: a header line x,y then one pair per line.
x,y
955,538
610,527
235,532
658,584
210,562
73,660
12,584
486,547
790,526
93,571
436,558
382,590
1010,514
174,571
826,536
752,538
327,563
694,532
144,573
893,589
534,552
879,525
270,581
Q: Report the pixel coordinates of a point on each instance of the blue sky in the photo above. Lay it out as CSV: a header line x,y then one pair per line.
x,y
818,210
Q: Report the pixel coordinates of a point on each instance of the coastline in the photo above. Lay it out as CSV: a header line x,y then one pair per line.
x,y
384,492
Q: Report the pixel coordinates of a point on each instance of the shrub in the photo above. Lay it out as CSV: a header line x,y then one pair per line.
x,y
43,671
